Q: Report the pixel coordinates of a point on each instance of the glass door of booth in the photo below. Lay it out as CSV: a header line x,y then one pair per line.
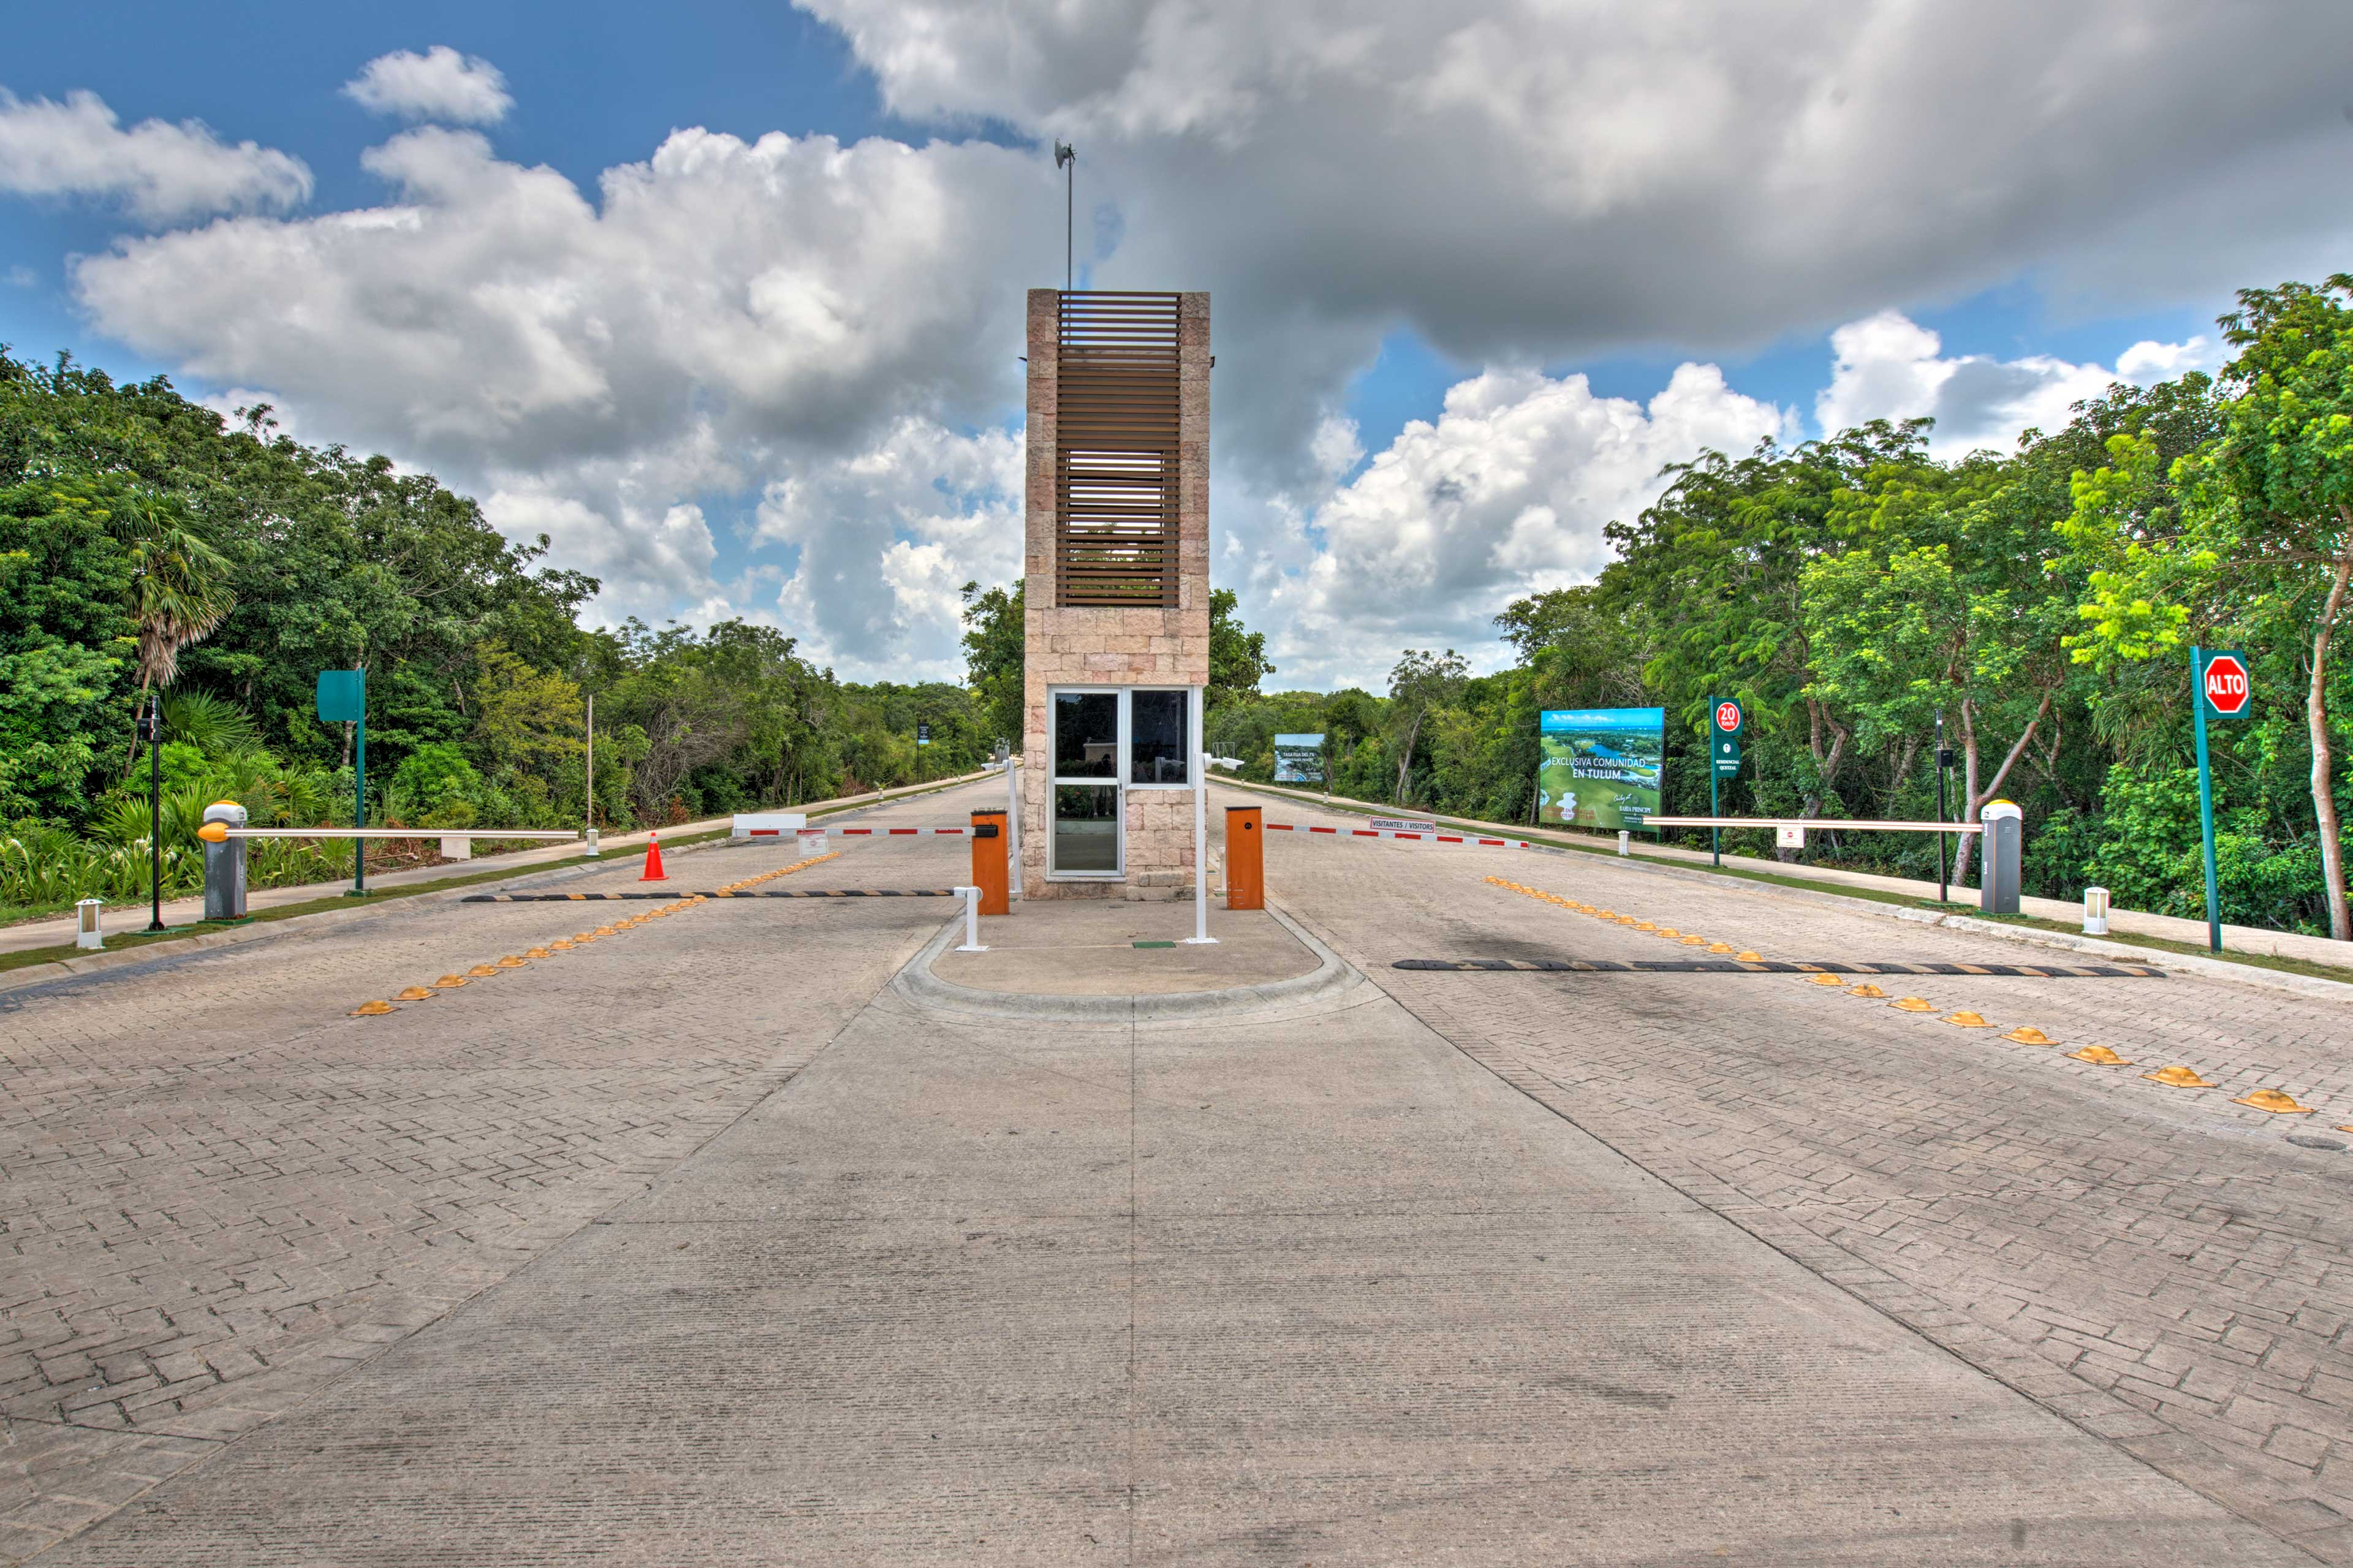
x,y
1088,837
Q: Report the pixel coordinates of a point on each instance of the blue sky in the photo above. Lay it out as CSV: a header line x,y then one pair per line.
x,y
777,379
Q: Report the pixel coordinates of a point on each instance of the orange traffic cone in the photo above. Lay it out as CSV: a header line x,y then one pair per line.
x,y
653,872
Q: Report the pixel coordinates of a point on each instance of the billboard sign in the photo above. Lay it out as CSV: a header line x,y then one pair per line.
x,y
1601,767
1298,759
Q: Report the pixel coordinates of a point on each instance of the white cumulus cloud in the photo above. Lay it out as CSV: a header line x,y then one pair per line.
x,y
1507,493
1887,366
440,84
159,172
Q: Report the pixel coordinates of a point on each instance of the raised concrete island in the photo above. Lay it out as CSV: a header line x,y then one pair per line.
x,y
1116,576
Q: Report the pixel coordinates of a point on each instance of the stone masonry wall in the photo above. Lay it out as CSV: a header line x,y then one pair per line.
x,y
1114,647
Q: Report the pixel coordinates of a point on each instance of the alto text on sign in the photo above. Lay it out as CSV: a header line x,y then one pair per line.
x,y
2229,692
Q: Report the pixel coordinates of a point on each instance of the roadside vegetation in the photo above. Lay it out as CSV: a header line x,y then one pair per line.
x,y
148,544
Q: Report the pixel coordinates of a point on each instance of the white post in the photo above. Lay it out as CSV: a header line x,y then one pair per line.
x,y
1201,852
2096,912
971,920
1012,831
85,932
1625,843
588,811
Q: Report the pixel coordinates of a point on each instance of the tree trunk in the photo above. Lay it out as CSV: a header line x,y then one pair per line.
x,y
1405,762
1972,799
2316,708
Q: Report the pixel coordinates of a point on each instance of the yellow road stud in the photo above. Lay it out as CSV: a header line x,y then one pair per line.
x,y
539,952
449,980
511,962
2178,1078
603,931
415,994
1746,957
561,944
1606,914
1645,925
1694,942
1670,933
2098,1055
376,1009
1866,989
1969,1021
2028,1035
1824,979
483,971
1913,1005
1719,947
2273,1100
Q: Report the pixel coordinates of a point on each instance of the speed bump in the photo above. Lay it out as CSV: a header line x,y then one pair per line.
x,y
2274,1102
2099,1056
2178,1078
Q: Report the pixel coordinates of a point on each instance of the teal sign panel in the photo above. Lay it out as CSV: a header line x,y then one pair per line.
x,y
343,696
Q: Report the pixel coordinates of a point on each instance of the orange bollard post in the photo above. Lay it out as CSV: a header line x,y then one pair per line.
x,y
1245,859
989,862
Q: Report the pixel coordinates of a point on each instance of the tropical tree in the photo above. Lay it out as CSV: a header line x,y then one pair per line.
x,y
1420,682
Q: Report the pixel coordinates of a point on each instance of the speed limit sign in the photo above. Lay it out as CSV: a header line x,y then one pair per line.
x,y
1729,717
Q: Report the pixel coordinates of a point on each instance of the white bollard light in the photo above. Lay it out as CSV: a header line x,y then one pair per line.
x,y
971,920
1625,843
2096,912
86,932
591,844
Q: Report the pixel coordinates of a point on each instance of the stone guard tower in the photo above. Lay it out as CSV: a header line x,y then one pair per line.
x,y
1117,592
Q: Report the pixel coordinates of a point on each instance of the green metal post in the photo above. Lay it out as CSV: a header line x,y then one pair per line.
x,y
2205,799
359,806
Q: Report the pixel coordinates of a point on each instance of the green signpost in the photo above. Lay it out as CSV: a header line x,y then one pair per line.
x,y
2222,688
1725,720
343,699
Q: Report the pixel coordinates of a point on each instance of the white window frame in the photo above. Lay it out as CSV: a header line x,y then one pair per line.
x,y
1121,773
1192,734
1117,782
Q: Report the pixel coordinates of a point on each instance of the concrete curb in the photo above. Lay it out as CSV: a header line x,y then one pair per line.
x,y
180,948
916,984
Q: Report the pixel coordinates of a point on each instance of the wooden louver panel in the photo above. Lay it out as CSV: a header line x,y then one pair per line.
x,y
1115,451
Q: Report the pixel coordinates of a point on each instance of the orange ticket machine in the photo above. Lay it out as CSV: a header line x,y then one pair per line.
x,y
1245,858
991,862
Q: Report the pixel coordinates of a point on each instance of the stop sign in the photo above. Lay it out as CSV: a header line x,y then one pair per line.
x,y
2228,689
1727,717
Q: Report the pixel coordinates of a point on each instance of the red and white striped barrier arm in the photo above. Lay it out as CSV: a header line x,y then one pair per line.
x,y
842,832
1465,839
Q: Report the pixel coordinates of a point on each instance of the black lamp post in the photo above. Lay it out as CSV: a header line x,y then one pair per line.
x,y
1943,761
151,728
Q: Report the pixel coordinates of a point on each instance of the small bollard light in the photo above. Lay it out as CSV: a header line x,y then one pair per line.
x,y
2096,912
1625,843
86,932
591,844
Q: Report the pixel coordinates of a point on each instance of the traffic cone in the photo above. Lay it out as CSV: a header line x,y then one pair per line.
x,y
653,872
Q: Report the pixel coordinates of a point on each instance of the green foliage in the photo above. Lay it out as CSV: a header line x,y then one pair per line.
x,y
1237,658
994,639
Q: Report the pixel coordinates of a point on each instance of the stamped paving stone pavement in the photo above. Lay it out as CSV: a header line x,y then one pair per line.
x,y
2160,1264
703,1245
218,1192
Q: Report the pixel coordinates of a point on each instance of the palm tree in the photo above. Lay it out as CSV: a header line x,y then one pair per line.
x,y
178,592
